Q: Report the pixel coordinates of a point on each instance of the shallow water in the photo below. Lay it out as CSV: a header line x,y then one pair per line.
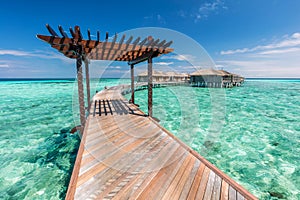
x,y
252,133
37,151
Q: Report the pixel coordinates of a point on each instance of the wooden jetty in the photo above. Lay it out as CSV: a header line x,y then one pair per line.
x,y
124,153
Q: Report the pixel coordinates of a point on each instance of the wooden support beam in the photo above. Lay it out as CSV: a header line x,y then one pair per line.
x,y
150,85
72,32
80,90
132,83
62,32
98,36
142,58
87,79
51,31
89,34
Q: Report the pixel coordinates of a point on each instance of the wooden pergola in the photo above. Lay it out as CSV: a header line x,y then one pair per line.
x,y
83,50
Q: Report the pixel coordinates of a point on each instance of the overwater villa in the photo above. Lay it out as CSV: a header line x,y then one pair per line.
x,y
215,78
200,78
160,76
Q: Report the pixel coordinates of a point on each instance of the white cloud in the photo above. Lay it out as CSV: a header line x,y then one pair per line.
x,y
280,51
164,63
228,52
14,52
287,44
209,8
204,10
115,67
180,57
280,67
155,17
276,59
4,65
37,54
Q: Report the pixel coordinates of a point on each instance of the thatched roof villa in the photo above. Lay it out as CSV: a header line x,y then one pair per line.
x,y
159,76
200,78
215,78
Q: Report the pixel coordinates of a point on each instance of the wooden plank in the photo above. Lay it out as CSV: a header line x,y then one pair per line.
x,y
188,185
107,147
104,135
232,193
182,181
210,185
239,196
166,173
130,178
217,188
203,183
119,141
168,182
193,190
118,160
107,130
111,141
225,190
123,162
109,159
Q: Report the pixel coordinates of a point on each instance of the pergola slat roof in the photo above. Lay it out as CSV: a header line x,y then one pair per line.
x,y
73,47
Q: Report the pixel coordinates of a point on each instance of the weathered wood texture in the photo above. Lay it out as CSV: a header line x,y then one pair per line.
x,y
132,82
80,90
127,155
109,49
150,87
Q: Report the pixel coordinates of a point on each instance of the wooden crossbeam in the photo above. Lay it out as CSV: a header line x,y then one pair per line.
x,y
76,45
89,34
62,32
51,31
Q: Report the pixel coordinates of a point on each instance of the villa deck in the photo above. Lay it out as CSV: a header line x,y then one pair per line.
x,y
127,155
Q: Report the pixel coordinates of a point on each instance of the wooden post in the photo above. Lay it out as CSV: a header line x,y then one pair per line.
x,y
87,79
150,85
132,83
80,90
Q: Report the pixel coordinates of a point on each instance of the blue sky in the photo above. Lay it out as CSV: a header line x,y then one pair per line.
x,y
252,38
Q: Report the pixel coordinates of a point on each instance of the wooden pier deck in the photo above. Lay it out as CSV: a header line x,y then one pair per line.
x,y
127,155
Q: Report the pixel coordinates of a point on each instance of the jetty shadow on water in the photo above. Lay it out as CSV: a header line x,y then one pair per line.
x,y
114,107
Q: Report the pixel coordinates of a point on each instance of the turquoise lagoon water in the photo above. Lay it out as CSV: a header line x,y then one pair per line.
x,y
37,151
252,133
